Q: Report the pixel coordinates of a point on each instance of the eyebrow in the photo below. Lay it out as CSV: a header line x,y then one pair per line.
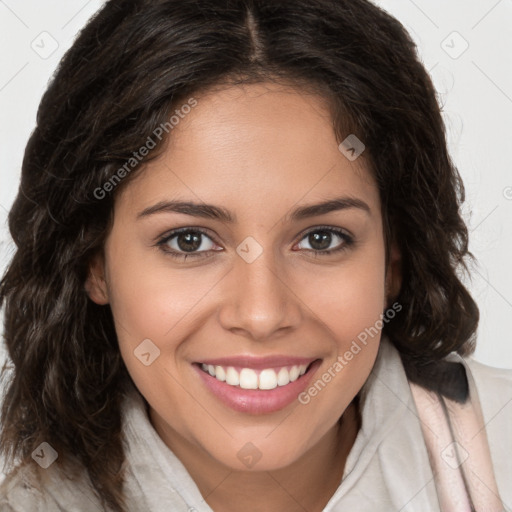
x,y
210,211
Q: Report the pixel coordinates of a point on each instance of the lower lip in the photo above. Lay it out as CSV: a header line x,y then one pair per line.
x,y
258,401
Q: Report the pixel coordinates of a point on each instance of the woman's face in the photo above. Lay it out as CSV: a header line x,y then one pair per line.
x,y
251,298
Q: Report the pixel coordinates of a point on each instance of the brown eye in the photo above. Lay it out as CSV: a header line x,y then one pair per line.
x,y
189,241
185,243
320,239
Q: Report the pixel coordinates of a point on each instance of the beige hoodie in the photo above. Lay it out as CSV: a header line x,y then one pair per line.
x,y
388,468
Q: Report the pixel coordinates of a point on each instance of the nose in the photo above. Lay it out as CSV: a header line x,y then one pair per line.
x,y
259,299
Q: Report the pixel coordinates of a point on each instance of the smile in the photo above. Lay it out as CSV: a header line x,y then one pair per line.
x,y
247,378
257,385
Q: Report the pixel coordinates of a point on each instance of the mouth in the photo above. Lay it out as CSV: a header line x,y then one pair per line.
x,y
260,387
250,378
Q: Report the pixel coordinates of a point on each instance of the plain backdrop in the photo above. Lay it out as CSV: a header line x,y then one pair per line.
x,y
464,44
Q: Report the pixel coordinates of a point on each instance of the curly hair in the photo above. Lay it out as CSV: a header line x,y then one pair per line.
x,y
131,65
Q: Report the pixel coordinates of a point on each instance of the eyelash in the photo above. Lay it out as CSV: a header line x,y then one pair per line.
x,y
348,242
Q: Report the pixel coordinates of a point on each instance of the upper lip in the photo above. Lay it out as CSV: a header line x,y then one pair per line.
x,y
259,363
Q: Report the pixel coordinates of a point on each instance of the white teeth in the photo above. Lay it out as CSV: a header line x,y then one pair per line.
x,y
294,373
232,377
268,379
220,373
248,378
283,377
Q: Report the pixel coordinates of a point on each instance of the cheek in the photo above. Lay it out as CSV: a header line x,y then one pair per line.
x,y
349,297
152,301
144,306
146,297
348,302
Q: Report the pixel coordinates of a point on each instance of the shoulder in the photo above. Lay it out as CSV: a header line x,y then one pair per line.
x,y
491,381
30,488
21,491
494,388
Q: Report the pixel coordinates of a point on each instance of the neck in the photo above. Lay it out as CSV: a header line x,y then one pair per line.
x,y
306,484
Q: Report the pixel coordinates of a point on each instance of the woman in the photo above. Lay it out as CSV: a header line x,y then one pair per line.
x,y
235,288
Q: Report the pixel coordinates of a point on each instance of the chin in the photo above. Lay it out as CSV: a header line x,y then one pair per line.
x,y
260,454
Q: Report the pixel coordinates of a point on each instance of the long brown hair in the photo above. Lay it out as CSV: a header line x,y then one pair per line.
x,y
129,68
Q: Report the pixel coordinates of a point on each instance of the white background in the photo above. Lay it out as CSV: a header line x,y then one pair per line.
x,y
475,88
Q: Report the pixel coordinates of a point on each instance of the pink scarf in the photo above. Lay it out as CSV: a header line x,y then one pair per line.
x,y
458,450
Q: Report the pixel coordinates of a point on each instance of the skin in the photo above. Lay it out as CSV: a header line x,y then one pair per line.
x,y
259,151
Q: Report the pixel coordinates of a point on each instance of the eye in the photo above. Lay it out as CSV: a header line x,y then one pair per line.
x,y
321,238
185,243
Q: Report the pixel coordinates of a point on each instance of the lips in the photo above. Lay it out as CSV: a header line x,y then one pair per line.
x,y
257,385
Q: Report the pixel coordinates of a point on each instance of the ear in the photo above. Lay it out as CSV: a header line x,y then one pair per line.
x,y
95,284
393,274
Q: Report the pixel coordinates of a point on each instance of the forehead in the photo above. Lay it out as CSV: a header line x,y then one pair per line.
x,y
255,145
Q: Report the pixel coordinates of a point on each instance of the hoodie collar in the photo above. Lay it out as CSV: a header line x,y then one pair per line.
x,y
389,444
